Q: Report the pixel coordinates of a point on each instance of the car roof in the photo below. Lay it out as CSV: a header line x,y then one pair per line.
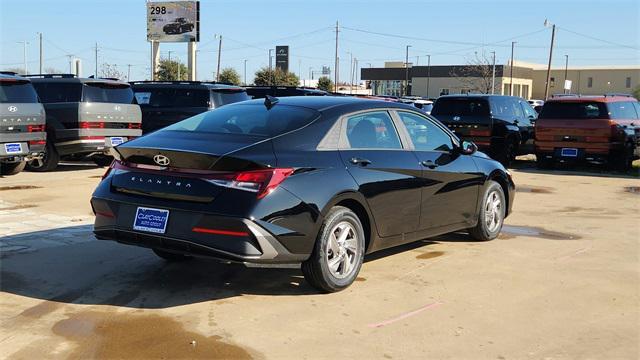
x,y
76,80
476,96
184,84
592,98
6,76
322,103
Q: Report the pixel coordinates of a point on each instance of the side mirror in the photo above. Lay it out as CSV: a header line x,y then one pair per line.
x,y
468,148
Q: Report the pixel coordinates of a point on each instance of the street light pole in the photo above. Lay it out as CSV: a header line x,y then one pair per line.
x,y
350,72
273,75
337,62
41,59
245,72
513,44
406,71
493,74
566,70
553,36
428,73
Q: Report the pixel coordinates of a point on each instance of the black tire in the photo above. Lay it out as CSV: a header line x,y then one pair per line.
x,y
48,163
171,257
543,163
317,270
622,160
102,161
508,153
482,231
12,168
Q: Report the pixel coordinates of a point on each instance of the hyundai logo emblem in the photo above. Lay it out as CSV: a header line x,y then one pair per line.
x,y
12,108
117,108
456,118
161,160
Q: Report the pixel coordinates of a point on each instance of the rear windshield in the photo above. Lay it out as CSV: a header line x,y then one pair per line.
x,y
17,92
253,120
225,97
461,107
167,97
574,110
108,93
59,92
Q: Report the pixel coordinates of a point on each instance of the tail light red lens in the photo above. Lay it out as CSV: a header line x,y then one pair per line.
x,y
37,142
111,167
479,132
262,182
91,125
135,126
35,128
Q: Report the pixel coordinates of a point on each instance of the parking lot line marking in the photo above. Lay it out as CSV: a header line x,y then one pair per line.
x,y
405,315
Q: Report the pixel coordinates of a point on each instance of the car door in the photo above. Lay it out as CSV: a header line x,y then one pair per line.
x,y
388,175
526,125
451,181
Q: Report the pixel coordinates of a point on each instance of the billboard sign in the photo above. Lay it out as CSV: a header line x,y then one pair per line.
x,y
173,21
282,58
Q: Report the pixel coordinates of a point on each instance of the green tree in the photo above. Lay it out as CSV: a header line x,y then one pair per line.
x,y
636,92
266,77
230,75
168,71
324,83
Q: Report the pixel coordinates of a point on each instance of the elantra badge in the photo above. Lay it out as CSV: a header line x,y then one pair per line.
x,y
161,160
12,108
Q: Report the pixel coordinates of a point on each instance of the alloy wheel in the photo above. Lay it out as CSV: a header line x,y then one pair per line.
x,y
342,250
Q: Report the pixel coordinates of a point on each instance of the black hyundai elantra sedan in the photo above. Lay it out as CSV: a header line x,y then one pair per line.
x,y
317,181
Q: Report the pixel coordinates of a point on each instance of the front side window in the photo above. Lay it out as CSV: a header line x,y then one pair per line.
x,y
622,110
425,135
529,113
372,130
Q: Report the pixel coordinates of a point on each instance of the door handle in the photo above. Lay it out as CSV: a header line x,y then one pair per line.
x,y
359,161
428,163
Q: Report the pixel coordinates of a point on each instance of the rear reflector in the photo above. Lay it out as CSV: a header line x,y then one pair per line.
x,y
37,142
35,128
479,132
105,214
135,126
219,232
92,137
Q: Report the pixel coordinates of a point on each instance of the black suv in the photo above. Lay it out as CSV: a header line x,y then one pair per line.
x,y
501,126
85,118
166,102
260,92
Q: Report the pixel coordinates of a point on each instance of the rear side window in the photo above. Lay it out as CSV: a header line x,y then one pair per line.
x,y
622,110
17,92
253,120
167,97
108,93
60,92
372,130
461,107
574,110
222,97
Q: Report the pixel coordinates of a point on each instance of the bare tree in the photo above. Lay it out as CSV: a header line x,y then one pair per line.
x,y
477,75
110,71
52,70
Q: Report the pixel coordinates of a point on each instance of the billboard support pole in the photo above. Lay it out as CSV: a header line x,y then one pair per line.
x,y
155,58
191,58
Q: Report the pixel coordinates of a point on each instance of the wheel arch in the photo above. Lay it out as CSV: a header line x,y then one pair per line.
x,y
501,178
356,203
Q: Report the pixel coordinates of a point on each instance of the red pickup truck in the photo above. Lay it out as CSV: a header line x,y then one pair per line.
x,y
595,129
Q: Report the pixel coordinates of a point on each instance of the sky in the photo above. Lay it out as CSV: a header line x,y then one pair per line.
x,y
372,31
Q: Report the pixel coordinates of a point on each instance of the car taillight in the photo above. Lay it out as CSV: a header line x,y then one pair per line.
x,y
91,125
111,167
262,182
134,126
35,128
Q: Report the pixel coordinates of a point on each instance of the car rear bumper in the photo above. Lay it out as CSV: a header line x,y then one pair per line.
x,y
193,233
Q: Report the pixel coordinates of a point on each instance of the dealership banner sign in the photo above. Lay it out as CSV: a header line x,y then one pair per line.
x,y
173,21
282,58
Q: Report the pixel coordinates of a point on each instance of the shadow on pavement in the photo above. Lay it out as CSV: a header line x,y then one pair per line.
x,y
529,166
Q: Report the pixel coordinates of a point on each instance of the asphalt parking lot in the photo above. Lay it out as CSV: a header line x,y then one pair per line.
x,y
560,282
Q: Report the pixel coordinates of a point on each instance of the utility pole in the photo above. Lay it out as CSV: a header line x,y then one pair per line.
x,y
178,62
428,73
493,74
406,71
553,36
128,72
96,73
513,44
41,61
336,67
350,72
245,72
24,54
219,52
355,70
170,55
566,70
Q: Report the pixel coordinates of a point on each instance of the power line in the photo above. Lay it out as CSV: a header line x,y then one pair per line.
x,y
598,39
